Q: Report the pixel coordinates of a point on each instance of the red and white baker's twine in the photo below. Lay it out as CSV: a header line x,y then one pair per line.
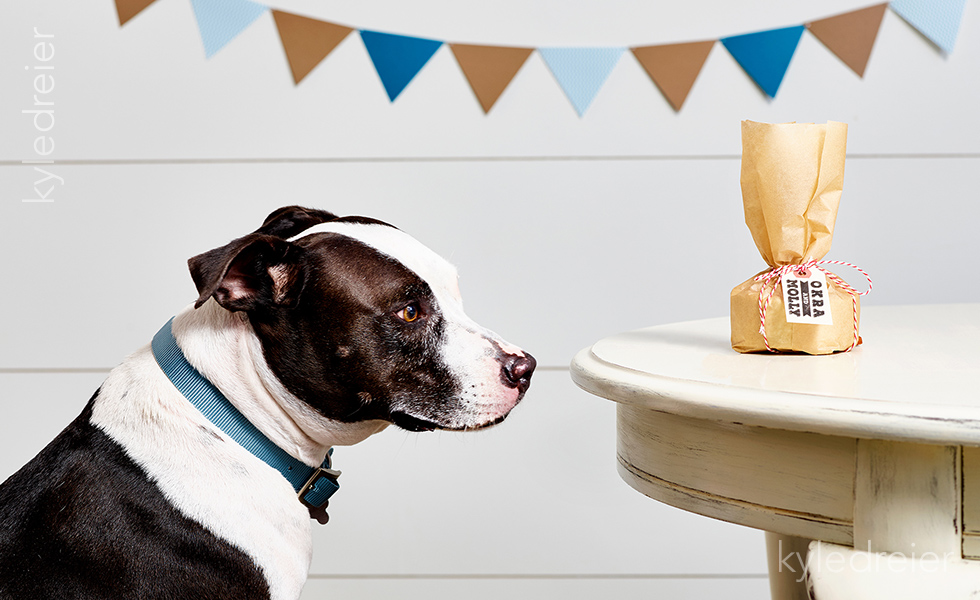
x,y
775,276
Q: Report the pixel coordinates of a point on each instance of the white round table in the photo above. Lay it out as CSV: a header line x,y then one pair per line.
x,y
873,453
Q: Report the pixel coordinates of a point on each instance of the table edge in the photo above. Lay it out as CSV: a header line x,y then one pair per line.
x,y
767,408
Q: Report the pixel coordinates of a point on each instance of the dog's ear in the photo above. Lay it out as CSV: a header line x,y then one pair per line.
x,y
293,220
254,271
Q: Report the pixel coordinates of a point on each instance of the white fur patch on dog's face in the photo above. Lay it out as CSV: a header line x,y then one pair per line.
x,y
393,242
471,353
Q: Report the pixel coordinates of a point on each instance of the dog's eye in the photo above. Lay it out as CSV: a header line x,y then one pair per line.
x,y
410,313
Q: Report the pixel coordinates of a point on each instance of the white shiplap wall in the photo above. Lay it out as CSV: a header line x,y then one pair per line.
x,y
565,229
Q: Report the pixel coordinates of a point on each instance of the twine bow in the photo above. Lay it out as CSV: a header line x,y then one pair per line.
x,y
775,276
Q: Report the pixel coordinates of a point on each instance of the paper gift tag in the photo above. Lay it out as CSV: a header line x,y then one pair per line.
x,y
805,297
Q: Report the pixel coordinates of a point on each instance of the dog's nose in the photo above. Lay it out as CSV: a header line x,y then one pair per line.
x,y
517,370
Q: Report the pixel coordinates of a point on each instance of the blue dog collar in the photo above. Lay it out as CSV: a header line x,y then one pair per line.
x,y
314,486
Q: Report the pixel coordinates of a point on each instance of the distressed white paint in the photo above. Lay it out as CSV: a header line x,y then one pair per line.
x,y
907,498
971,502
788,481
727,435
907,529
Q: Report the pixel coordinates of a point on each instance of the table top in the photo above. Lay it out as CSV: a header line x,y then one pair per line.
x,y
916,377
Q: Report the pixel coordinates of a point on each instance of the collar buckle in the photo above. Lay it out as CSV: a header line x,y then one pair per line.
x,y
319,487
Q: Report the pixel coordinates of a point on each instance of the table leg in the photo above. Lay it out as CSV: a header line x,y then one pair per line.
x,y
787,560
907,498
907,529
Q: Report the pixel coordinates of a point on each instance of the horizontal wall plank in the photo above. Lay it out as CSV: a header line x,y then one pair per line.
x,y
552,255
147,91
752,588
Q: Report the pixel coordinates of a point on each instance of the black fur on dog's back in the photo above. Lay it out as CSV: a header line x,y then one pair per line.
x,y
83,521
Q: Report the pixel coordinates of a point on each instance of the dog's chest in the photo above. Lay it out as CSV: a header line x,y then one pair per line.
x,y
204,474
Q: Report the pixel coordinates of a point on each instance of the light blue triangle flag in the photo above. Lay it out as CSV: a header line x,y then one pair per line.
x,y
938,20
765,55
581,71
221,20
397,58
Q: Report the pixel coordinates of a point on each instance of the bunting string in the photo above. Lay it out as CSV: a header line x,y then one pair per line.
x,y
765,56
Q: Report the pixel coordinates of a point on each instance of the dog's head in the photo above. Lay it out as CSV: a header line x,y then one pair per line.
x,y
362,322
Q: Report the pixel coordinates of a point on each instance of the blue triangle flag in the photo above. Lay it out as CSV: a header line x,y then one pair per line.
x,y
581,71
397,58
938,20
221,20
765,55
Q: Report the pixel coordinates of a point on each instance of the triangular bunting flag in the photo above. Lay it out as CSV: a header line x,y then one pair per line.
x,y
674,67
581,71
221,20
127,9
489,69
938,20
851,35
397,58
765,55
307,41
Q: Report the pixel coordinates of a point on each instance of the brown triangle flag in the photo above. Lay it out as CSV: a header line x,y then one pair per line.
x,y
489,69
674,67
851,35
307,41
127,9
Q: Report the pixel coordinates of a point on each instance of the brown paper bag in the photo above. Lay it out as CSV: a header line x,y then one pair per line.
x,y
792,180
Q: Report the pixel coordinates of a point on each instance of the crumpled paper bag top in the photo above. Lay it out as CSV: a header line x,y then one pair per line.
x,y
792,179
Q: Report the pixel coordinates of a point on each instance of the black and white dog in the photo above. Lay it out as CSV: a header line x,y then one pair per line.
x,y
313,331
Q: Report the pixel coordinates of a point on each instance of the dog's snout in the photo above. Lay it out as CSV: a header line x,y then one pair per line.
x,y
517,370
